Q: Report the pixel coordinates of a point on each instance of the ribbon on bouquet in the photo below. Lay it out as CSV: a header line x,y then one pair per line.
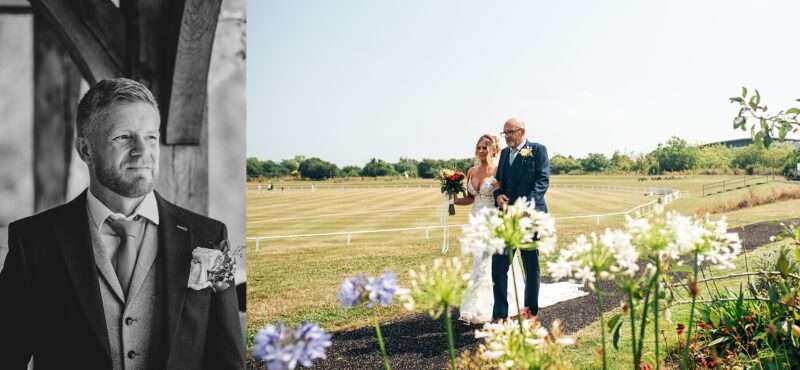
x,y
448,200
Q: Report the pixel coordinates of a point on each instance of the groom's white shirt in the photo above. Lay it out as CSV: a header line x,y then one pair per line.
x,y
513,152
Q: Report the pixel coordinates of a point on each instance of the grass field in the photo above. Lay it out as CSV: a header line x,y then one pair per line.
x,y
297,279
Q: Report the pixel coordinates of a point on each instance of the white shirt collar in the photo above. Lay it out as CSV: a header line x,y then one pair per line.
x,y
99,212
522,144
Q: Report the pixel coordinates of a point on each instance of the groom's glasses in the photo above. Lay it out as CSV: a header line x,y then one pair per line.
x,y
509,132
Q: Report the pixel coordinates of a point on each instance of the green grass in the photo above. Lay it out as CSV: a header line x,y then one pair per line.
x,y
298,279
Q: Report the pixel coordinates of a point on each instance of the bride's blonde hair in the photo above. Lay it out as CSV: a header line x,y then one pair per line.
x,y
493,147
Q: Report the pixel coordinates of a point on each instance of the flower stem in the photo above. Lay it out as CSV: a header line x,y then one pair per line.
x,y
602,326
685,360
636,359
450,346
656,313
516,294
645,307
382,346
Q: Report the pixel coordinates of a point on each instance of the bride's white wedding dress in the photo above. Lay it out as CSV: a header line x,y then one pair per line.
x,y
478,301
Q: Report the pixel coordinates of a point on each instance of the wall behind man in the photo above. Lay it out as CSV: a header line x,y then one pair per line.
x,y
16,121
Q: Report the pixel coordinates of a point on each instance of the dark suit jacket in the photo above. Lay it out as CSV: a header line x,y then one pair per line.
x,y
528,176
51,307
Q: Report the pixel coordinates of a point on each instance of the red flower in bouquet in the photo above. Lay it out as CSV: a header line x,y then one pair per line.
x,y
451,185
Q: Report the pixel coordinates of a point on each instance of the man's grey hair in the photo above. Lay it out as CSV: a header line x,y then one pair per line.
x,y
105,93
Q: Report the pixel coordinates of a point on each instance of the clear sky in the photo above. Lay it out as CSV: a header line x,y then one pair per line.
x,y
350,80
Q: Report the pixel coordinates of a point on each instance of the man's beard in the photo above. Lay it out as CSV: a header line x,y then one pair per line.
x,y
138,187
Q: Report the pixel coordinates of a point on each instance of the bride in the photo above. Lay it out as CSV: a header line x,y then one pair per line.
x,y
478,301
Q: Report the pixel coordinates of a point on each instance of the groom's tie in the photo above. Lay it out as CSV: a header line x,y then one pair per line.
x,y
512,155
128,232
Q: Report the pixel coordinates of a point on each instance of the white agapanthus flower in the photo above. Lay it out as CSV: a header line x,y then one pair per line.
x,y
501,343
608,256
491,231
479,237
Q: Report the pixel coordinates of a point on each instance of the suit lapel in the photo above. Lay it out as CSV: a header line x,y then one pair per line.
x,y
175,243
72,234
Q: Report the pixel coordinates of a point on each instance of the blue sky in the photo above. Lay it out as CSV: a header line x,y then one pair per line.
x,y
350,80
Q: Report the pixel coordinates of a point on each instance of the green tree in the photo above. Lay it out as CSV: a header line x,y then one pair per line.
x,y
560,164
351,171
427,168
273,169
378,167
317,169
676,155
406,166
714,157
253,167
749,157
595,162
621,162
646,164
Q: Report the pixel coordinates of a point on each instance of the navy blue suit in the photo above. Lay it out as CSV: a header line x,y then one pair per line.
x,y
529,177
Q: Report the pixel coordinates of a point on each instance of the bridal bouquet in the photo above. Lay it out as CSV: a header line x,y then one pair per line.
x,y
451,185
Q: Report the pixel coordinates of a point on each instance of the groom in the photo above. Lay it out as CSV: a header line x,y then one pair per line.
x,y
102,282
523,171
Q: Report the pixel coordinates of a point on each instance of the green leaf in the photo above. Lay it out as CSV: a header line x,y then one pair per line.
x,y
773,295
713,316
739,122
615,334
793,110
758,97
736,99
752,103
739,302
612,322
758,139
767,140
744,91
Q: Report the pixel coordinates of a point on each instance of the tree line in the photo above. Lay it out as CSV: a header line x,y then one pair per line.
x,y
674,155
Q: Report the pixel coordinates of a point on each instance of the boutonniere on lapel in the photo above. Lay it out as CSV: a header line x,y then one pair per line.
x,y
526,152
211,268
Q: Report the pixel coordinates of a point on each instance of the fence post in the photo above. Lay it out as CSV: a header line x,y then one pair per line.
x,y
348,239
598,220
428,234
258,244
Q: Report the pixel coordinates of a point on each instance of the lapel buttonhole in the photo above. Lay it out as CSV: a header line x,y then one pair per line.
x,y
182,228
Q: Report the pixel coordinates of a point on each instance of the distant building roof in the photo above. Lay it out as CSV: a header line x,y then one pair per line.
x,y
738,143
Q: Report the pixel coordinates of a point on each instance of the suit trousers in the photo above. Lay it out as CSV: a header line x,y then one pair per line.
x,y
530,265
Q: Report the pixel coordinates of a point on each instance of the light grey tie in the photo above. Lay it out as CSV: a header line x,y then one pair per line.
x,y
513,155
128,232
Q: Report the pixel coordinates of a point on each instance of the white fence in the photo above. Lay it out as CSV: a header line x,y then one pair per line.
x,y
638,211
312,187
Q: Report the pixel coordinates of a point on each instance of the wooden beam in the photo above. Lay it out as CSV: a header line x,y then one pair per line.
x,y
56,92
107,25
94,60
189,80
183,175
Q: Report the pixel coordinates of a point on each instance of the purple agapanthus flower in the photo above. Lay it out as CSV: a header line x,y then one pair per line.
x,y
381,289
311,343
352,291
274,346
282,349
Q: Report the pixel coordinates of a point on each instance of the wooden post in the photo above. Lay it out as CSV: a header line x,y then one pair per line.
x,y
56,89
183,176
